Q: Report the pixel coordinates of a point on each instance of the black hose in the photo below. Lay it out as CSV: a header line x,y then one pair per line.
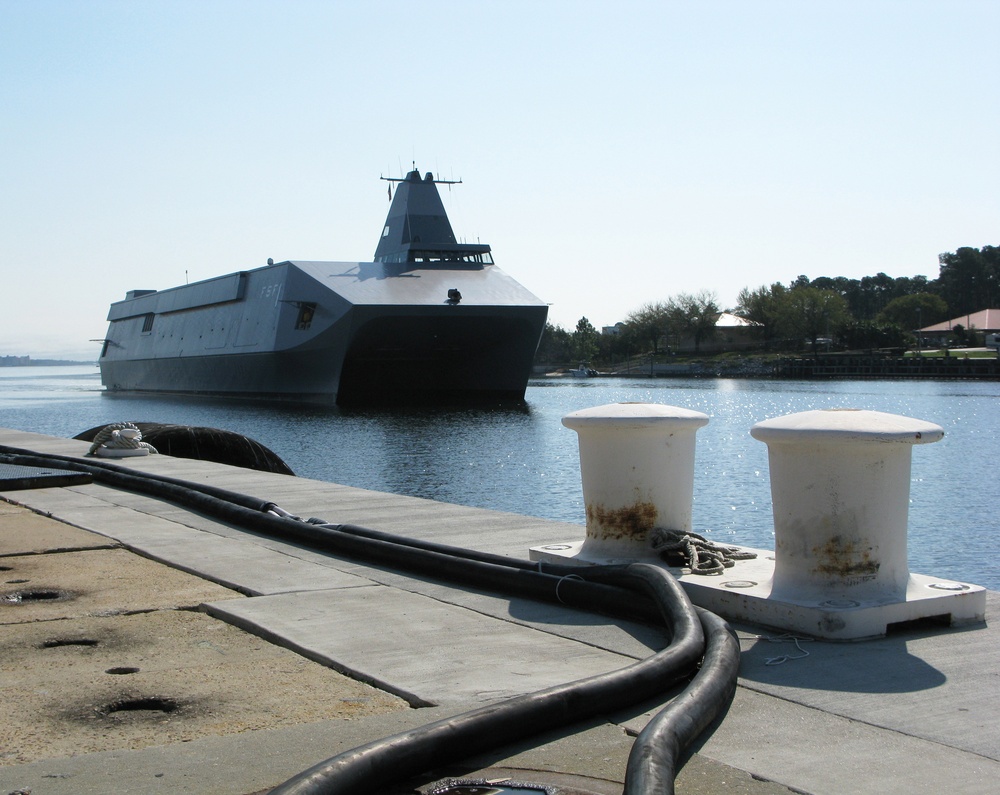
x,y
394,759
128,479
221,502
654,759
185,492
422,558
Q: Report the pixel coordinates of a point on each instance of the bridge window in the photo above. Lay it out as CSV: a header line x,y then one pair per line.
x,y
306,312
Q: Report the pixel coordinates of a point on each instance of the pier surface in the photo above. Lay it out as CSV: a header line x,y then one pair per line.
x,y
158,651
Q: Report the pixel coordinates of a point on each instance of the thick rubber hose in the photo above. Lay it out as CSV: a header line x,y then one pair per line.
x,y
654,760
379,548
656,752
185,492
115,474
363,770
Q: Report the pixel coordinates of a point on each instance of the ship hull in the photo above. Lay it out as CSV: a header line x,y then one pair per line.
x,y
243,336
441,360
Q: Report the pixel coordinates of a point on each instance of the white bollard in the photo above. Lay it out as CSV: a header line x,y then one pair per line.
x,y
637,468
840,485
840,488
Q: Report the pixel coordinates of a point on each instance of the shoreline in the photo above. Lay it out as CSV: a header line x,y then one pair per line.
x,y
846,366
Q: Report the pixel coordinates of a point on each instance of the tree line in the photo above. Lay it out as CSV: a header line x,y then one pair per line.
x,y
872,312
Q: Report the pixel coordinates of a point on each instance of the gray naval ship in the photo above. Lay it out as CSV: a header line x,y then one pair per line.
x,y
429,320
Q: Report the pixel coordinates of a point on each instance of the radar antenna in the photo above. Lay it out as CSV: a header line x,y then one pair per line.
x,y
435,181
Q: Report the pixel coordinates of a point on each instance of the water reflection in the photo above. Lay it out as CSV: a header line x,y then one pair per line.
x,y
523,459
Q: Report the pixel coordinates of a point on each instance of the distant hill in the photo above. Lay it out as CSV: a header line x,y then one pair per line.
x,y
27,361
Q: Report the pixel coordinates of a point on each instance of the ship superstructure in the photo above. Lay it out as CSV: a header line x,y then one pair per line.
x,y
430,319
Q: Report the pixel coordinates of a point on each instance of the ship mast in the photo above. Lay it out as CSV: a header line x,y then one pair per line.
x,y
428,178
417,228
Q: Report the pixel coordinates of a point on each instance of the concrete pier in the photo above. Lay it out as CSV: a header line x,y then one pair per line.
x,y
257,658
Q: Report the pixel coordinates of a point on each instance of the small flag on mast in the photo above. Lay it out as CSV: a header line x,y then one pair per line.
x,y
390,191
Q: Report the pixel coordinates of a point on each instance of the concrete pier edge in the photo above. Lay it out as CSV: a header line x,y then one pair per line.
x,y
914,711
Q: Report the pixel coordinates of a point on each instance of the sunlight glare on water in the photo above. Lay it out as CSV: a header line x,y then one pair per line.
x,y
523,460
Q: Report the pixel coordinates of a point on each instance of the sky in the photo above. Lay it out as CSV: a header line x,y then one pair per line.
x,y
611,153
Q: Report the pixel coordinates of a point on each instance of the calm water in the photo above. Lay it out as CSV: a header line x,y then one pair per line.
x,y
524,461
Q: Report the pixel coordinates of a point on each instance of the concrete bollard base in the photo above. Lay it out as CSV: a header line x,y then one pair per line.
x,y
744,593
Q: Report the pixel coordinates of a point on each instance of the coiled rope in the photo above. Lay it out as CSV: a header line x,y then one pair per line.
x,y
684,548
120,436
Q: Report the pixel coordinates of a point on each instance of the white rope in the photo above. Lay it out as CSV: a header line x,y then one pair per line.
x,y
696,552
567,577
783,658
276,510
120,436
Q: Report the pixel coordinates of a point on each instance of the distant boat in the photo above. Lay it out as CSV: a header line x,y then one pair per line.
x,y
428,320
583,372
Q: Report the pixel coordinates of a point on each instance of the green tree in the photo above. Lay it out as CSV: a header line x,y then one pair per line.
x,y
693,316
556,345
966,337
870,334
910,285
647,325
614,347
969,279
868,296
849,289
764,307
585,340
877,291
911,312
811,313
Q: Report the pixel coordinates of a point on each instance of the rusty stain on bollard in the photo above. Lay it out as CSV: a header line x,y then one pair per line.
x,y
846,559
637,472
840,484
629,522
